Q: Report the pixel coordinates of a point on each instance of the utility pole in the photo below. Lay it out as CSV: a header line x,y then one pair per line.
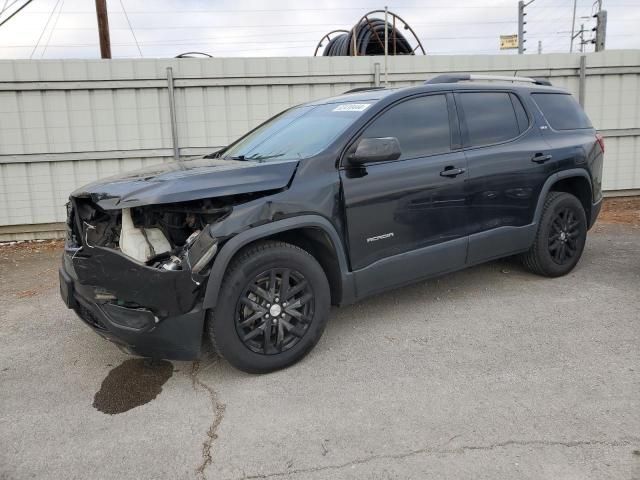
x,y
573,25
103,28
539,47
521,24
600,29
581,38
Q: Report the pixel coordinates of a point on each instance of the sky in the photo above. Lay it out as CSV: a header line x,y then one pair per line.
x,y
251,28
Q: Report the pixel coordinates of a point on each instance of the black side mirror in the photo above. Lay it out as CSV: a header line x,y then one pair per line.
x,y
375,150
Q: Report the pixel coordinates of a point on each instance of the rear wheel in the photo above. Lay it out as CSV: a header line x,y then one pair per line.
x,y
272,308
560,238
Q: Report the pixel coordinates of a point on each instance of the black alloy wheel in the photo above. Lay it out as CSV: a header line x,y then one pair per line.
x,y
560,237
563,236
274,311
271,309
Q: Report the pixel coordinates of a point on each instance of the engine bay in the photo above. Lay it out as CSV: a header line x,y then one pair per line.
x,y
166,237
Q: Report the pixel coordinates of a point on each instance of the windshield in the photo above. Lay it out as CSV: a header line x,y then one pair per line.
x,y
298,133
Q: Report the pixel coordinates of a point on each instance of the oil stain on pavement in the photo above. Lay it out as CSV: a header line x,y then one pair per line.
x,y
131,384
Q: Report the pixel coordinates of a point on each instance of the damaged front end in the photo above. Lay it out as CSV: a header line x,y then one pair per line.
x,y
125,272
139,249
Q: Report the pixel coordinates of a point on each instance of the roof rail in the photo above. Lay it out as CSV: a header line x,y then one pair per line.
x,y
463,77
363,89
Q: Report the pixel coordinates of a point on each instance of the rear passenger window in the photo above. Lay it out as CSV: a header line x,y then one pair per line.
x,y
421,125
562,111
490,117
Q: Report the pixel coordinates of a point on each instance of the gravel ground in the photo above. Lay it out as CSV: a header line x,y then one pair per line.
x,y
487,373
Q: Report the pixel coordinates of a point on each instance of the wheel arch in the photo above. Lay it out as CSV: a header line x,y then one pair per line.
x,y
579,187
575,181
313,233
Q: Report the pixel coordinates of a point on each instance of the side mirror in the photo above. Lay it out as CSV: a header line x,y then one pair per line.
x,y
375,150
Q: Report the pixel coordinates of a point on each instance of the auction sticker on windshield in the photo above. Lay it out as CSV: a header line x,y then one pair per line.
x,y
351,107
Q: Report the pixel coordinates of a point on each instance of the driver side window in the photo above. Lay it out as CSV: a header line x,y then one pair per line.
x,y
421,126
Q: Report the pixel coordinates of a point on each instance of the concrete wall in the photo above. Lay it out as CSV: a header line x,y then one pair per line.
x,y
64,123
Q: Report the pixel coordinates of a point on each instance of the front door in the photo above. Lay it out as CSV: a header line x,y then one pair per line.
x,y
399,211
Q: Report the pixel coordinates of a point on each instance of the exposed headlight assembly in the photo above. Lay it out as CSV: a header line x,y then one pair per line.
x,y
202,249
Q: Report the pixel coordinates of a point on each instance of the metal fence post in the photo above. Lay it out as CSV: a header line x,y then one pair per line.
x,y
172,114
386,48
583,79
376,74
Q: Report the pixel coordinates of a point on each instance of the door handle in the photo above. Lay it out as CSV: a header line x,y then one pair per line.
x,y
540,158
451,172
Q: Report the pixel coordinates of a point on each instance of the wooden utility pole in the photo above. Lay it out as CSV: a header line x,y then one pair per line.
x,y
103,28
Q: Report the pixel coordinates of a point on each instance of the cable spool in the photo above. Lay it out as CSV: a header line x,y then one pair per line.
x,y
194,55
369,38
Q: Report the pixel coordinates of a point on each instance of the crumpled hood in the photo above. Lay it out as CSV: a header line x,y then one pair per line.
x,y
187,180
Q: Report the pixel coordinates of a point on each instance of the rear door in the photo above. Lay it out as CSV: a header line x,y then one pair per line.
x,y
416,201
570,133
508,163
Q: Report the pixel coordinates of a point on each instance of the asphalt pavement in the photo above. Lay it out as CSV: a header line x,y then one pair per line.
x,y
491,373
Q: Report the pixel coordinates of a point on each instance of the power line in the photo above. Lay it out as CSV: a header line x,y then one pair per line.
x,y
542,8
15,13
7,7
210,27
132,32
430,51
52,29
44,29
215,41
277,10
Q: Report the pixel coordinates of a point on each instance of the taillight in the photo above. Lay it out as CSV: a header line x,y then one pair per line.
x,y
600,140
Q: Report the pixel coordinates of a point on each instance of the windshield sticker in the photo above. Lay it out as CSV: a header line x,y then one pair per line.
x,y
351,107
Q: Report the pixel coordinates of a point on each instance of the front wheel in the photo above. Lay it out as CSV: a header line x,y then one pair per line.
x,y
272,308
560,239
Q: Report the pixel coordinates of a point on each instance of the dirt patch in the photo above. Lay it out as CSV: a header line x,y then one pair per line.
x,y
27,293
622,210
133,383
28,269
13,250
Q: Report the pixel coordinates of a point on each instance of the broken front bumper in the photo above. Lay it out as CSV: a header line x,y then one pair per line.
x,y
145,311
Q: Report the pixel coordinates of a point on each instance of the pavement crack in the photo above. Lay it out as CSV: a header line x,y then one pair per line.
x,y
218,414
549,443
440,450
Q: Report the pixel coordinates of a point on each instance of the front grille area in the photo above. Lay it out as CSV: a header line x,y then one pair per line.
x,y
88,316
71,228
69,221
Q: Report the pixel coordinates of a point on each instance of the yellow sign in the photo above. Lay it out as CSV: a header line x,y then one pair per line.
x,y
508,42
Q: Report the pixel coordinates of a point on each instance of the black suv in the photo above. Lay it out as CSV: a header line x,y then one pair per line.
x,y
327,203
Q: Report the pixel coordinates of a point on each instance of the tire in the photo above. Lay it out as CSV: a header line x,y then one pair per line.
x,y
242,327
561,236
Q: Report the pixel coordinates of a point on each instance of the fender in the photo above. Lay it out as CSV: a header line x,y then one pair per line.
x,y
233,245
573,172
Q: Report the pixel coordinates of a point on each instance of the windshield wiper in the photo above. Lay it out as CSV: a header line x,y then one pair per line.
x,y
216,154
255,156
264,157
